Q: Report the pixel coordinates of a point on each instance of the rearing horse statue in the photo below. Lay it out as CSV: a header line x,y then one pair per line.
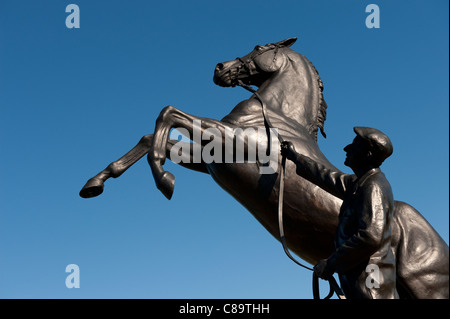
x,y
291,89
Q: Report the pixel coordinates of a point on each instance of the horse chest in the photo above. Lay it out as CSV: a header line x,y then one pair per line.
x,y
246,113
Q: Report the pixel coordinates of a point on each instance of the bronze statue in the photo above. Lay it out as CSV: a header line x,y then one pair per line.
x,y
363,236
292,91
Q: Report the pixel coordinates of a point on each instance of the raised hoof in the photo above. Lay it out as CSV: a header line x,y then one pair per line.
x,y
93,187
166,184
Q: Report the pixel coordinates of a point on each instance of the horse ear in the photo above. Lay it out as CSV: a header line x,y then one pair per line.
x,y
286,43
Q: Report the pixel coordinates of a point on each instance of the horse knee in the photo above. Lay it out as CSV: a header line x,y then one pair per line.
x,y
165,113
115,169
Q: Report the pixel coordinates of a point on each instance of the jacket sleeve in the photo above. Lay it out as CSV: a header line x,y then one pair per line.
x,y
332,181
369,238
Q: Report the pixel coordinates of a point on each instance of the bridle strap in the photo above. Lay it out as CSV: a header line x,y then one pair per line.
x,y
246,63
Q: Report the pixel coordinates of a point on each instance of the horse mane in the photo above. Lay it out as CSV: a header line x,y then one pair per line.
x,y
322,109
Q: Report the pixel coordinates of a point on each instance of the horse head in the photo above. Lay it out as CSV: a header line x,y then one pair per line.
x,y
290,83
254,68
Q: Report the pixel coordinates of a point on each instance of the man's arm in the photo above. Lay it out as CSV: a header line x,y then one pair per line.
x,y
332,181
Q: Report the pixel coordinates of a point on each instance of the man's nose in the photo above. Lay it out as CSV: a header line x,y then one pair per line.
x,y
347,148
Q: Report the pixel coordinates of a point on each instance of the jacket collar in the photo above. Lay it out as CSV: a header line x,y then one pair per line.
x,y
360,181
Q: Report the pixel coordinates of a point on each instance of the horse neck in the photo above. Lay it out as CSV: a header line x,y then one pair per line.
x,y
294,92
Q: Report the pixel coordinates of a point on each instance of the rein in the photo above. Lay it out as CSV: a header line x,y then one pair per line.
x,y
334,287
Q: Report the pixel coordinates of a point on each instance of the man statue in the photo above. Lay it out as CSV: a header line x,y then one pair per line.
x,y
363,257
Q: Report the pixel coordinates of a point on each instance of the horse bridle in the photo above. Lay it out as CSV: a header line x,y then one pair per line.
x,y
334,287
248,63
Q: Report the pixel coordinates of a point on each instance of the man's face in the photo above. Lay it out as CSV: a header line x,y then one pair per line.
x,y
357,153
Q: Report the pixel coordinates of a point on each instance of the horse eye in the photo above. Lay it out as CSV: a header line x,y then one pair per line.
x,y
258,47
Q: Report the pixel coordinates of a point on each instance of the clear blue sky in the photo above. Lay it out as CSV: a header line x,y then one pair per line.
x,y
73,100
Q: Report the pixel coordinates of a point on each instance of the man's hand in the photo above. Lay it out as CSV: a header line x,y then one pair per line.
x,y
288,150
322,271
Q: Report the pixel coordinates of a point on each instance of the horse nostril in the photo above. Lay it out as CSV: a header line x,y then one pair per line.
x,y
219,66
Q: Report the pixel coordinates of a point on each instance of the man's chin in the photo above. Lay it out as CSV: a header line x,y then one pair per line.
x,y
347,163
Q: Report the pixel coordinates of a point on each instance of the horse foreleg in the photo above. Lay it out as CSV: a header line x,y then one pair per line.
x,y
95,185
169,118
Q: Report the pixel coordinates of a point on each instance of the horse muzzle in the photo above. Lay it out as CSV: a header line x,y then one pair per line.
x,y
227,73
223,73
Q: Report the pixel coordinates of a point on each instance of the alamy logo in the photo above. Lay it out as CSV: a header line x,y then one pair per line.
x,y
73,279
73,19
249,145
373,277
373,19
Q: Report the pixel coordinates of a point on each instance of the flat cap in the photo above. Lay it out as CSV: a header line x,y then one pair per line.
x,y
380,144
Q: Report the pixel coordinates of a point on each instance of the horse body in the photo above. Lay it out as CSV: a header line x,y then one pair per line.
x,y
291,90
310,213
